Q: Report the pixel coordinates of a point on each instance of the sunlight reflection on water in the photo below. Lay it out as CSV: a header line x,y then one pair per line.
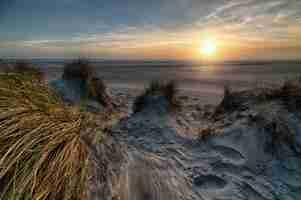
x,y
207,80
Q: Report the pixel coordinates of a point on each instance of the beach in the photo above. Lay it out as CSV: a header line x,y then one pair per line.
x,y
158,140
150,100
196,81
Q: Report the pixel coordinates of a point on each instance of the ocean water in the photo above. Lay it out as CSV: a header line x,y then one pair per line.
x,y
206,81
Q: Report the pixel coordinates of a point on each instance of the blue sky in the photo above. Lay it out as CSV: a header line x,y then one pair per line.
x,y
152,29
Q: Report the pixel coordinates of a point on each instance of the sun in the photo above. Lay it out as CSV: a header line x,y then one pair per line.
x,y
208,48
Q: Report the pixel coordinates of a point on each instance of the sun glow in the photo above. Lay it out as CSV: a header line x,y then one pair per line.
x,y
208,48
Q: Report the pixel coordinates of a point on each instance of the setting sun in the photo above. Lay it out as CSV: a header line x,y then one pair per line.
x,y
208,48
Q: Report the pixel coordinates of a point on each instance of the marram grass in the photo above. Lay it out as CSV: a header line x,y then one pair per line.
x,y
42,154
158,88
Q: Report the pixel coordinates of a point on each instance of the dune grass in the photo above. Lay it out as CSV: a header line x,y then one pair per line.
x,y
158,88
272,103
26,68
78,69
276,121
288,93
82,70
42,154
97,90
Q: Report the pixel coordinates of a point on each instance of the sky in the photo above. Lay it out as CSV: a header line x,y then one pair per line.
x,y
150,29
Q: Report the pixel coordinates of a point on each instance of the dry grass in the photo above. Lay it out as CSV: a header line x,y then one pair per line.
x,y
42,155
97,89
205,133
288,93
272,103
230,102
157,88
26,68
4,67
78,69
82,70
278,124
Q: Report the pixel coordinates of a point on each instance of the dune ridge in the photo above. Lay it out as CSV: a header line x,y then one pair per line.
x,y
247,147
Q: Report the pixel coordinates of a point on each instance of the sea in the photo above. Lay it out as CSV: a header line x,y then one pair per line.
x,y
203,80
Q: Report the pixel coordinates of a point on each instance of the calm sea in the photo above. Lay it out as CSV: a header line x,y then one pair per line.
x,y
206,81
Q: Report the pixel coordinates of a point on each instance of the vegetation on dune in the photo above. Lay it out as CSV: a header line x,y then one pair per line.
x,y
273,120
270,107
25,68
288,93
42,154
158,88
78,69
98,90
228,102
82,70
3,65
205,133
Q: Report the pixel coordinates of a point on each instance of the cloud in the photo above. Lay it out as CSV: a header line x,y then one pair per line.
x,y
123,37
135,24
250,19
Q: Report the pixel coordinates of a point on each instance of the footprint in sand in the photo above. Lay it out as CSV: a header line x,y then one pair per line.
x,y
229,153
209,182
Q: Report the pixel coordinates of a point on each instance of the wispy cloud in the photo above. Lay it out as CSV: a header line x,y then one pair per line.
x,y
160,24
123,37
272,19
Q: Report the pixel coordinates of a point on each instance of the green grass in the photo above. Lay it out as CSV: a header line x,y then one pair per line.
x,y
42,154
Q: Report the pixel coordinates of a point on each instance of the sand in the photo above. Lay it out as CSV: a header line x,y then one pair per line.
x,y
249,153
239,161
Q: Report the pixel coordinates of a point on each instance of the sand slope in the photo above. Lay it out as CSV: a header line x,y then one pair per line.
x,y
252,153
243,159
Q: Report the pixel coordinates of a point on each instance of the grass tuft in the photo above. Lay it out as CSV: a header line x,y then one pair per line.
x,y
78,69
288,93
42,155
82,70
229,102
25,68
276,122
97,89
158,88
